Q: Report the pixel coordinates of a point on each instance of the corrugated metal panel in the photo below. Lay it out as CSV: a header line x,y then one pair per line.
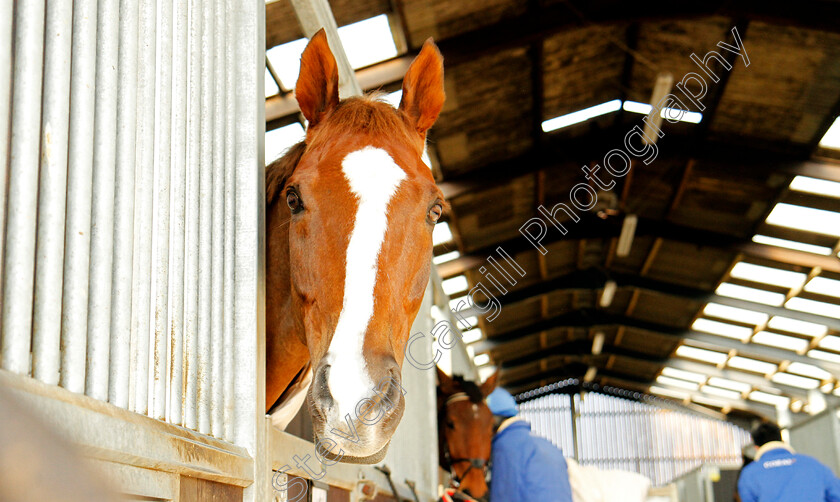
x,y
616,433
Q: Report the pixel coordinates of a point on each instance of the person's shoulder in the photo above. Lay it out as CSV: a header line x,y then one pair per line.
x,y
808,460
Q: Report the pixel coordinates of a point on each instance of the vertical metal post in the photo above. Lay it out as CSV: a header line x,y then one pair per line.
x,y
205,178
74,297
52,197
143,193
249,385
573,411
19,284
191,265
178,210
160,246
6,75
122,275
230,207
102,215
217,310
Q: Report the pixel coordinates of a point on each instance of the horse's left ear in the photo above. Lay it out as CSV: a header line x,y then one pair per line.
x,y
489,385
317,86
422,91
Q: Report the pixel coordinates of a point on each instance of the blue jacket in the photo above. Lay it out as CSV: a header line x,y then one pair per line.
x,y
780,475
527,468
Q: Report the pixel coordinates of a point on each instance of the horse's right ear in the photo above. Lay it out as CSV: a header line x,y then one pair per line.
x,y
317,85
489,385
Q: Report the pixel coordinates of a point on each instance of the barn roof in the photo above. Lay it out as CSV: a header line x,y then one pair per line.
x,y
719,209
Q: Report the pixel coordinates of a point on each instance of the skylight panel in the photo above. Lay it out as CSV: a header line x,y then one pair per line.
x,y
768,275
708,356
455,285
729,384
581,115
735,314
808,219
824,356
715,403
445,257
815,186
716,391
644,109
750,294
824,286
795,245
744,363
442,233
830,342
365,43
831,138
270,85
368,42
672,393
277,141
795,381
780,341
676,382
722,329
684,375
814,307
481,359
472,336
808,370
797,326
771,399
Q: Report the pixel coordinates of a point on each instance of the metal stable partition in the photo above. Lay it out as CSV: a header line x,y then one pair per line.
x,y
611,432
132,271
131,210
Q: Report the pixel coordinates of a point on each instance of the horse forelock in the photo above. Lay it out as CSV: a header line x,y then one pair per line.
x,y
470,388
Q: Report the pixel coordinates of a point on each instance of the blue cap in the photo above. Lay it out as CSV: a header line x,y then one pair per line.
x,y
501,403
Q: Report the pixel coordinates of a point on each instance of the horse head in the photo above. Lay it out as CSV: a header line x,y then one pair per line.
x,y
363,205
465,431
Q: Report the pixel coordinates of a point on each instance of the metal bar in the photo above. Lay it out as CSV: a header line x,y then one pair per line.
x,y
218,231
122,275
144,193
52,196
6,77
191,263
19,283
205,215
102,210
160,246
229,285
177,213
74,300
250,430
314,15
575,448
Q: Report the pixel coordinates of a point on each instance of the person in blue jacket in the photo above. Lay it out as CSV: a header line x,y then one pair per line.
x,y
524,467
778,474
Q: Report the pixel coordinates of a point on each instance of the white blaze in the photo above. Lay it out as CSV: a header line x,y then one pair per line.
x,y
374,178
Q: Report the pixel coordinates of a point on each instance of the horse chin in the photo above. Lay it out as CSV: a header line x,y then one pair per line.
x,y
349,459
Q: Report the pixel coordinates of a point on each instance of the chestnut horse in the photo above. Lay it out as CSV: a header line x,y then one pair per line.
x,y
349,245
465,432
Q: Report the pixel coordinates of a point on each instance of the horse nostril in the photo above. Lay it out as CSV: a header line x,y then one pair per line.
x,y
320,386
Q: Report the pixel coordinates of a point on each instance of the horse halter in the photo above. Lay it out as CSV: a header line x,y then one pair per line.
x,y
475,463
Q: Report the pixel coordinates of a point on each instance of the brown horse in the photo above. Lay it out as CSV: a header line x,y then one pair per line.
x,y
465,431
349,245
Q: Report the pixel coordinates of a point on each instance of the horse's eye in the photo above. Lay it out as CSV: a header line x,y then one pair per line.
x,y
294,202
450,424
435,212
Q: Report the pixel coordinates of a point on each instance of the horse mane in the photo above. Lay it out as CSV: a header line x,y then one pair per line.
x,y
470,388
279,171
367,114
